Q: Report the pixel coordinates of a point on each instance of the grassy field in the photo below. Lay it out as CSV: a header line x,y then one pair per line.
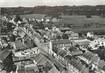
x,y
83,20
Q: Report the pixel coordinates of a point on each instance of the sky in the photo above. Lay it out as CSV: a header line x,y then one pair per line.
x,y
32,3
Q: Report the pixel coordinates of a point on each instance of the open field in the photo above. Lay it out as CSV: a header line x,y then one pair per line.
x,y
83,20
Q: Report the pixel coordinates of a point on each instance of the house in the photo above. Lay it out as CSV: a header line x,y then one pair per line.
x,y
61,43
96,43
82,42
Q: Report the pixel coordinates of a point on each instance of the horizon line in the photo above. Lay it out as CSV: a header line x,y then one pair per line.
x,y
50,6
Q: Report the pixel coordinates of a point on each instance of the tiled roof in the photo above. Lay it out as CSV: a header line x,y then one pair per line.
x,y
19,45
101,63
62,53
64,41
88,55
4,54
77,64
74,51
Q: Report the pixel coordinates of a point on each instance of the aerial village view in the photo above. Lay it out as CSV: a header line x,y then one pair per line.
x,y
52,39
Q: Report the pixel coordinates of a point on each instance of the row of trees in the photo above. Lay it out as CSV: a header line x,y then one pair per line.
x,y
70,10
